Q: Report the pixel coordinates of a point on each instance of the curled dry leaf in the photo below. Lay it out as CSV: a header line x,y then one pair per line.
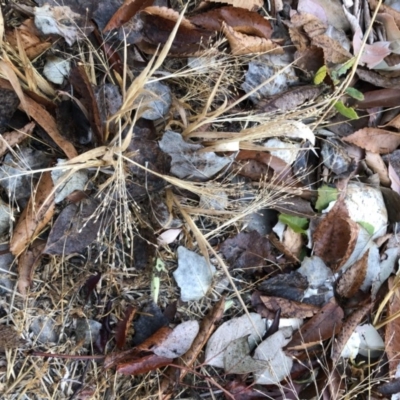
x,y
349,325
289,308
143,364
127,11
11,139
36,215
326,323
335,237
158,25
123,326
27,263
374,139
239,19
352,279
242,44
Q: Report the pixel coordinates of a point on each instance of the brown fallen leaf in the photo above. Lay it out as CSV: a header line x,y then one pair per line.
x,y
207,327
348,327
158,25
377,79
378,166
123,326
324,325
11,139
127,11
352,279
392,339
335,236
46,121
289,308
379,98
36,215
239,19
27,263
242,44
143,364
290,99
375,139
80,81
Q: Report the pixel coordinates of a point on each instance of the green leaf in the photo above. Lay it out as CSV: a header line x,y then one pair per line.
x,y
345,67
326,194
320,75
354,93
298,224
367,226
347,112
155,279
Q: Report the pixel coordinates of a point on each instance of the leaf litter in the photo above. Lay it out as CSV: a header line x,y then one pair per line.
x,y
124,250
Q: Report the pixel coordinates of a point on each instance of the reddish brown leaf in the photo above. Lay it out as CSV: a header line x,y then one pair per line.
x,y
380,98
377,79
374,139
250,5
27,263
143,364
127,11
289,308
324,325
392,329
241,20
123,326
335,237
155,339
36,215
349,325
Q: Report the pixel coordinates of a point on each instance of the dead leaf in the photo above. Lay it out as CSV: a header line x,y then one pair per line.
x,y
9,338
76,227
159,23
374,139
242,44
36,215
207,327
80,81
156,339
335,237
248,251
11,139
352,279
290,99
376,163
324,325
27,263
126,11
289,308
143,364
251,5
378,79
239,19
123,326
333,50
349,325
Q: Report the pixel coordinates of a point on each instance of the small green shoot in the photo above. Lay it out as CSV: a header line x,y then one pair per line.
x,y
347,112
354,93
320,75
298,224
155,279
